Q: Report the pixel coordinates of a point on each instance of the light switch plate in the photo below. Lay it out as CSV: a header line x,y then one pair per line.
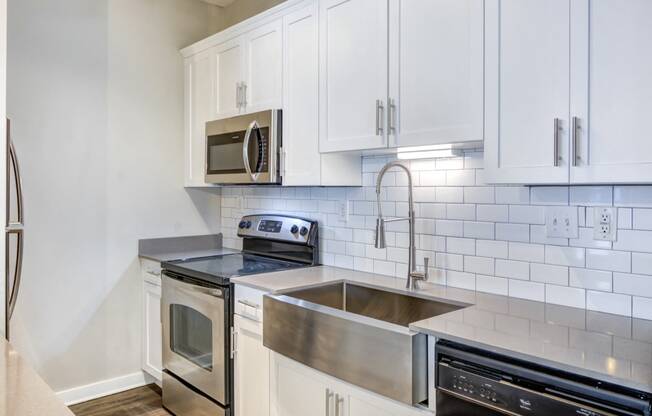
x,y
605,223
562,222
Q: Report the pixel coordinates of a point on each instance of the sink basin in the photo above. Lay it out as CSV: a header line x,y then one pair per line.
x,y
356,333
379,304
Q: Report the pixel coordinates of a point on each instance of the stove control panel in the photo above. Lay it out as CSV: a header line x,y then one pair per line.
x,y
278,227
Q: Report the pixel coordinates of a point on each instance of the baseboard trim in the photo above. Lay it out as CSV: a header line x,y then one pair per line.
x,y
104,388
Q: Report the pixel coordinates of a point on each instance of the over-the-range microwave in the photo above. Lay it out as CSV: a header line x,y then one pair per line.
x,y
244,149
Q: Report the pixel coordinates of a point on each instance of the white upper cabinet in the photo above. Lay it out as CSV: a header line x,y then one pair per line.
x,y
199,109
263,68
228,59
527,91
611,95
436,72
302,164
353,74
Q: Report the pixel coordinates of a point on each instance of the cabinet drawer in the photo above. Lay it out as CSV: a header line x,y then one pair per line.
x,y
249,303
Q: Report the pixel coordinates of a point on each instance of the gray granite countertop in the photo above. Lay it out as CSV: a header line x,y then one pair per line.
x,y
606,347
181,248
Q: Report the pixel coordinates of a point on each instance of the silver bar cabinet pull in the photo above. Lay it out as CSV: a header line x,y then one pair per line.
x,y
244,95
379,117
329,395
556,138
576,134
237,95
337,405
391,116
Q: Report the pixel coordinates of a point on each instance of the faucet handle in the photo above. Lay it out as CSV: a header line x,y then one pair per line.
x,y
426,260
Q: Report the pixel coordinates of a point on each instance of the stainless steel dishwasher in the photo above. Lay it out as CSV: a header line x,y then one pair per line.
x,y
476,382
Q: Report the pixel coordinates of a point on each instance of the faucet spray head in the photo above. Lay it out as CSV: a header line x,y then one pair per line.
x,y
380,233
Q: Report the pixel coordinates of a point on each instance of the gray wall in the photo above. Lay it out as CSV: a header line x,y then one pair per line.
x,y
95,93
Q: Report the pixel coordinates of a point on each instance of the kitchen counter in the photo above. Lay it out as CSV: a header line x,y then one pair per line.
x,y
606,347
181,248
22,391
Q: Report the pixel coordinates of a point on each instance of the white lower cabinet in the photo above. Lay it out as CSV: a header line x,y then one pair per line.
x,y
297,390
251,372
152,342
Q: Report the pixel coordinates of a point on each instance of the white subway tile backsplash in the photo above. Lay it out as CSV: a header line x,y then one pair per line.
x,y
494,213
482,265
479,229
480,237
527,214
513,269
634,240
591,279
479,195
526,252
546,273
513,232
642,219
609,302
527,290
633,284
567,296
617,261
565,256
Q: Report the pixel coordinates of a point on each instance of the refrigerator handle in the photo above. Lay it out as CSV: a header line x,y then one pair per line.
x,y
13,227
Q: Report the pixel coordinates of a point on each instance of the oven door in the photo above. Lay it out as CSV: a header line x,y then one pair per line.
x,y
194,334
244,149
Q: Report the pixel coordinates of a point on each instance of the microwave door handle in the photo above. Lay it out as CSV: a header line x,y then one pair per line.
x,y
245,150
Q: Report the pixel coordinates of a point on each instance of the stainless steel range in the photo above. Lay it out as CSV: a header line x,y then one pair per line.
x,y
197,310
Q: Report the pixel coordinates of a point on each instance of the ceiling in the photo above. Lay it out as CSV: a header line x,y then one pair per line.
x,y
221,3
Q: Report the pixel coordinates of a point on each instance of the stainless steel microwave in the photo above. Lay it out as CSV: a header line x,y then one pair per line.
x,y
244,149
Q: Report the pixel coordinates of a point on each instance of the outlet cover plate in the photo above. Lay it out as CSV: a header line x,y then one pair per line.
x,y
343,211
605,224
562,222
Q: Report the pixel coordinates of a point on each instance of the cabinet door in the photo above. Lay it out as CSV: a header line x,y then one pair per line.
x,y
199,110
436,71
297,390
527,91
228,59
152,333
263,67
251,369
353,74
612,90
301,158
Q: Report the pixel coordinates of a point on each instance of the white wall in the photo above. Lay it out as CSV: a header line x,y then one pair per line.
x,y
96,98
478,237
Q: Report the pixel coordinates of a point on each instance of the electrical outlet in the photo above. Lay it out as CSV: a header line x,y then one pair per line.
x,y
605,224
343,211
562,222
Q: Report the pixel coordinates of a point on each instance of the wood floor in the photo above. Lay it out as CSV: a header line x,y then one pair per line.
x,y
143,401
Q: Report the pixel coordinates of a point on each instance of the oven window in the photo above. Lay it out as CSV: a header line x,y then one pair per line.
x,y
191,336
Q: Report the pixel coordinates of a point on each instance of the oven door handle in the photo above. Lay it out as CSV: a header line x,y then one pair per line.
x,y
190,288
245,150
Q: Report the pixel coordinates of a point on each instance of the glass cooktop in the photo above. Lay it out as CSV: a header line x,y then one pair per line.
x,y
219,269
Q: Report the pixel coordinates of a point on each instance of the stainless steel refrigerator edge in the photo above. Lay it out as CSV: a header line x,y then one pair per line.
x,y
14,231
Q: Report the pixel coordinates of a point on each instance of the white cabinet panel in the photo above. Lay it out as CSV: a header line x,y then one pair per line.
x,y
353,74
612,90
296,391
263,69
251,369
436,71
198,110
152,333
302,164
228,59
527,77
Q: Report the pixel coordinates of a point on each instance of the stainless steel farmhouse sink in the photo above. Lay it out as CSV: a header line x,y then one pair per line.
x,y
355,333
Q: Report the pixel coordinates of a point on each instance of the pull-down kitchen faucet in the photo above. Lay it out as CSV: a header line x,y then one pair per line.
x,y
413,276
